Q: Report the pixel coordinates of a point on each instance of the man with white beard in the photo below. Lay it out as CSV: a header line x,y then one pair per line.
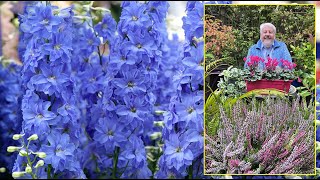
x,y
268,46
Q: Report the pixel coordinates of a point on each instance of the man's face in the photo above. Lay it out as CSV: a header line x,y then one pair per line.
x,y
267,36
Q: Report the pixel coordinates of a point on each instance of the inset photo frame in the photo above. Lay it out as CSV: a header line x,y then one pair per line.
x,y
259,114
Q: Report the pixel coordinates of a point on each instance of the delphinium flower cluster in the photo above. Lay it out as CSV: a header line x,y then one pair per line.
x,y
47,106
10,111
182,155
124,109
281,142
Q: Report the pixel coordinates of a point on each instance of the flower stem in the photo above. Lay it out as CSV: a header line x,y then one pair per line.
x,y
49,172
29,161
190,175
115,164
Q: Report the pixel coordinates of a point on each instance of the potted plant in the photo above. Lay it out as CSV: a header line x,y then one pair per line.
x,y
270,74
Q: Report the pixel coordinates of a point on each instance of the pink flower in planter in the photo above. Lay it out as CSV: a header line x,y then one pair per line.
x,y
271,64
254,61
288,65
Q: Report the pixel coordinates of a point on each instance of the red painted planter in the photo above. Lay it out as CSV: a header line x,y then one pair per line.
x,y
266,84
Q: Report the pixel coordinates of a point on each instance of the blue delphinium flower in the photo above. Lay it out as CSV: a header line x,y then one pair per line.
x,y
106,28
189,109
178,153
40,20
131,82
110,133
59,47
51,80
133,15
59,151
37,118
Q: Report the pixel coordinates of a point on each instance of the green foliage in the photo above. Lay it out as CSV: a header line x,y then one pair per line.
x,y
278,74
304,57
212,112
308,82
212,65
232,84
293,23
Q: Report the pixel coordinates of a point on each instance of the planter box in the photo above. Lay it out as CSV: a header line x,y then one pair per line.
x,y
267,84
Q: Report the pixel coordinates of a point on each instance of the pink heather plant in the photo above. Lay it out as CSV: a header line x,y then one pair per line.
x,y
269,137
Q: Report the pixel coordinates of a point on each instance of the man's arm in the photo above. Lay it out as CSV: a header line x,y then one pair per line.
x,y
286,53
248,57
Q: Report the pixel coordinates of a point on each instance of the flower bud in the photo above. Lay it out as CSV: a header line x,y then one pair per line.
x,y
17,174
22,152
16,136
28,169
42,155
12,148
155,135
16,22
33,137
318,146
158,123
2,170
40,163
159,112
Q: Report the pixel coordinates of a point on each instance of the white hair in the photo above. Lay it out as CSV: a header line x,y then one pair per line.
x,y
267,24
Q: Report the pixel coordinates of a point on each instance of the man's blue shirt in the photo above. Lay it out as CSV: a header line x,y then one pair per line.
x,y
278,50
